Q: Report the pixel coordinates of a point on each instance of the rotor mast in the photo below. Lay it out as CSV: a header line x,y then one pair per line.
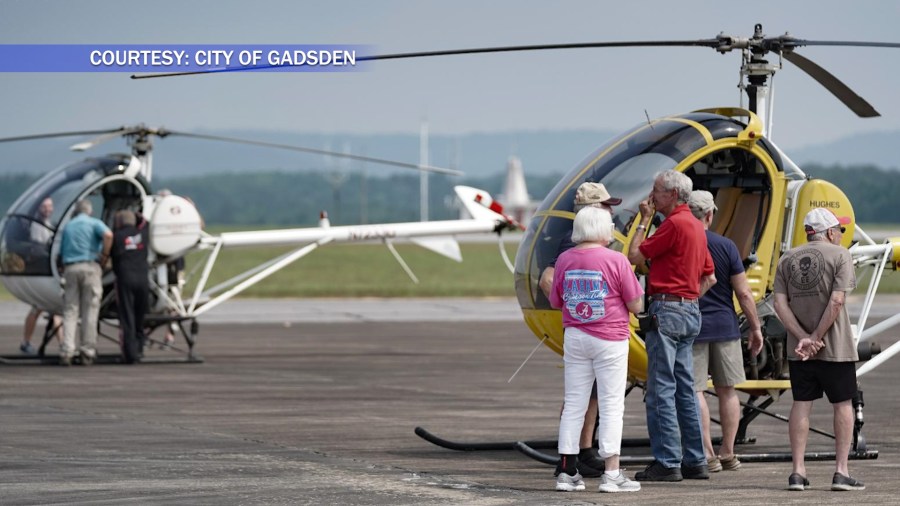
x,y
142,149
759,73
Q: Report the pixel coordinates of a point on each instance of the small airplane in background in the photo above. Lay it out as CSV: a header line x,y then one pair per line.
x,y
515,197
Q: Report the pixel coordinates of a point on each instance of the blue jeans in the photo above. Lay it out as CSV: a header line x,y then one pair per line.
x,y
673,418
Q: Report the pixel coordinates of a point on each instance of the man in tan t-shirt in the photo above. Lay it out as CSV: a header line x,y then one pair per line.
x,y
811,284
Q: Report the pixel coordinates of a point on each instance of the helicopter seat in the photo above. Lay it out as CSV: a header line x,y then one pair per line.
x,y
747,221
726,201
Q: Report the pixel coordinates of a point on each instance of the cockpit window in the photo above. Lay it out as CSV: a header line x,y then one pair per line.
x,y
626,166
628,182
29,228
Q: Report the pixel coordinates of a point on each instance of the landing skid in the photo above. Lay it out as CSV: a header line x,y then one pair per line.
x,y
100,359
178,356
151,323
545,444
624,460
859,451
552,460
475,447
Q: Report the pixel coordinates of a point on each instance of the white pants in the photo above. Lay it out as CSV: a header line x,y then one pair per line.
x,y
587,358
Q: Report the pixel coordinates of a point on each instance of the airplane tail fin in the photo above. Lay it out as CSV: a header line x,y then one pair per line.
x,y
482,206
444,245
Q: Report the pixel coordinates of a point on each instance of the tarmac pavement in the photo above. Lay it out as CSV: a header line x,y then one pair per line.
x,y
297,410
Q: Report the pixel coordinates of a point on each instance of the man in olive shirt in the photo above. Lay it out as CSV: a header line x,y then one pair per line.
x,y
811,284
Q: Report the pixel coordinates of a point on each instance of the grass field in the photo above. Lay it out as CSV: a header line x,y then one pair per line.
x,y
369,270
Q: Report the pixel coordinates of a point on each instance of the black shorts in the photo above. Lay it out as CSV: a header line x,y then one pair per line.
x,y
812,377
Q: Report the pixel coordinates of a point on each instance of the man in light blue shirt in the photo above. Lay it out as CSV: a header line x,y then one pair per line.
x,y
86,244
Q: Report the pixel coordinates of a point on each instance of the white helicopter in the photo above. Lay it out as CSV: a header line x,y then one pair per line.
x,y
29,261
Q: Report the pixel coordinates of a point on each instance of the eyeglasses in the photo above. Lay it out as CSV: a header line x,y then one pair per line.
x,y
842,229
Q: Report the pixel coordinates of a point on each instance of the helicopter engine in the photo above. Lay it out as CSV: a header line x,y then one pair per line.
x,y
175,226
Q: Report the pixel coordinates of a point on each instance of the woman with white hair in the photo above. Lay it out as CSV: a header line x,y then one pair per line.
x,y
595,287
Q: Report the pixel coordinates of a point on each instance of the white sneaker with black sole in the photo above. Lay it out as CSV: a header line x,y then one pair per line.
x,y
618,484
568,483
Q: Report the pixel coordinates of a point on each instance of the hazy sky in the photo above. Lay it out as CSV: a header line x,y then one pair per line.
x,y
593,88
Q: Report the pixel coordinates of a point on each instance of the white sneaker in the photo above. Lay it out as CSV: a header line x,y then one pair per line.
x,y
618,484
569,483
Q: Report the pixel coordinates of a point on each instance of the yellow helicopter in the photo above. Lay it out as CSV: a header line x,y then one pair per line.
x,y
761,194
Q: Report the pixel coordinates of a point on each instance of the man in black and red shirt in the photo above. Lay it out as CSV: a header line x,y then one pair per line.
x,y
129,256
681,271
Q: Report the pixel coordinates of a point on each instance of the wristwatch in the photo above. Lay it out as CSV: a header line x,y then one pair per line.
x,y
642,227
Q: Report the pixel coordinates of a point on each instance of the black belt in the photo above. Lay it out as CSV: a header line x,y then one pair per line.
x,y
664,297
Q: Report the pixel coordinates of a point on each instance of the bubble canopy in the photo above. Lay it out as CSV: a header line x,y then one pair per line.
x,y
27,237
626,165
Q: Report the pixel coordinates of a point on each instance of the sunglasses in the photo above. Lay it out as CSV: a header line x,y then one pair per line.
x,y
842,229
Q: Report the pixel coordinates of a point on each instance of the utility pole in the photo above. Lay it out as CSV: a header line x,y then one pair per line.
x,y
337,177
363,193
423,175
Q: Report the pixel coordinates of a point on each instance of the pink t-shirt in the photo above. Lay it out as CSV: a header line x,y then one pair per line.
x,y
591,287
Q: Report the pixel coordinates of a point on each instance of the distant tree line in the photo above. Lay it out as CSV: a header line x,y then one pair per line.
x,y
874,192
296,198
292,198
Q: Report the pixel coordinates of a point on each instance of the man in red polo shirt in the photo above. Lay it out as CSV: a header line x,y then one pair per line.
x,y
681,271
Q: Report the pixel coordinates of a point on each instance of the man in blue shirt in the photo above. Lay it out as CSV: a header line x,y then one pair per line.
x,y
717,349
86,244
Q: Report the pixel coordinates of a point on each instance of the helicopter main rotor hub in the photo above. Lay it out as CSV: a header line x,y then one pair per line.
x,y
759,68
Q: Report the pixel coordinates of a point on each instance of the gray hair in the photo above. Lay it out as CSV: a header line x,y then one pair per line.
x,y
592,224
84,207
701,203
818,236
674,180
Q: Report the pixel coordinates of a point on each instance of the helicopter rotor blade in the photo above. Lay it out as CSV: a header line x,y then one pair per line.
x,y
544,47
477,50
791,43
856,103
108,136
59,134
382,161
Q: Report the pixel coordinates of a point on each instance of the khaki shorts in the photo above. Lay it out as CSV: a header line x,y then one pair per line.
x,y
723,360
